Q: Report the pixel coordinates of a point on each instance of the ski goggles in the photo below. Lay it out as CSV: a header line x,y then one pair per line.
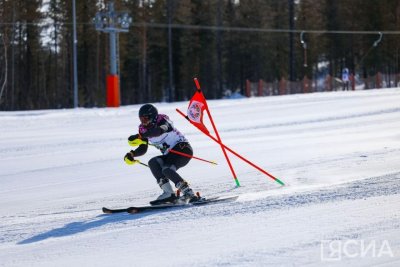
x,y
145,120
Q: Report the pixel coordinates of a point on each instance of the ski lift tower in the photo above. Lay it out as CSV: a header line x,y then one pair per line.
x,y
112,22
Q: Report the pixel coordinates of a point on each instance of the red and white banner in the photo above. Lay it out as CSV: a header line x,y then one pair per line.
x,y
195,111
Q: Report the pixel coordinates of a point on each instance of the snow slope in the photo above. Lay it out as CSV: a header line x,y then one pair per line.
x,y
338,154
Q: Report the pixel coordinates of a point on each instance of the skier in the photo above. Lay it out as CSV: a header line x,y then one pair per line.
x,y
157,130
345,79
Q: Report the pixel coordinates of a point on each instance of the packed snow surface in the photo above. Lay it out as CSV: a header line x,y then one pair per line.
x,y
338,154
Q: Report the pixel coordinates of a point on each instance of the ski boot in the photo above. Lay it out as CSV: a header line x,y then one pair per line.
x,y
168,195
188,195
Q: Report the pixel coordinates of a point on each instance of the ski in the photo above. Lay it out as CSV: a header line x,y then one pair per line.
x,y
134,210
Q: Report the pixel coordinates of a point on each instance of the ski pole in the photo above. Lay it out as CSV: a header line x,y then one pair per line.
x,y
191,156
135,161
141,163
138,142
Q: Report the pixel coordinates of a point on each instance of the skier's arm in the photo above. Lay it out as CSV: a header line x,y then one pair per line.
x,y
158,130
142,149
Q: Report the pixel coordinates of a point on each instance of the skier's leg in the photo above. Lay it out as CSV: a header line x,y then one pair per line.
x,y
180,183
170,172
172,163
168,194
155,165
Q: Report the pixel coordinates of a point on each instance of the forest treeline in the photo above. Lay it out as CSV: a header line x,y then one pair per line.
x,y
223,42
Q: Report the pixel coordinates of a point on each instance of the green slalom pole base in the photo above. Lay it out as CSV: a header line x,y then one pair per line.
x,y
279,181
237,182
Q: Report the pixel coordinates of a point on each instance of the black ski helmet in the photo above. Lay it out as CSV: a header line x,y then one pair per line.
x,y
149,112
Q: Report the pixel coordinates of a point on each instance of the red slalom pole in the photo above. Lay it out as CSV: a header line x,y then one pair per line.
x,y
247,161
196,81
233,152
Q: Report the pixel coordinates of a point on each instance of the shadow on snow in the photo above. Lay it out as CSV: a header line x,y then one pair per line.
x,y
79,227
